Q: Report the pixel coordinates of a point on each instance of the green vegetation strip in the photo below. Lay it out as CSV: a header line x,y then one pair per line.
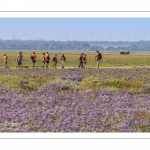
x,y
109,60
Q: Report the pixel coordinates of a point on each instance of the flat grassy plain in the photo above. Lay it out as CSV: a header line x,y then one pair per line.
x,y
109,60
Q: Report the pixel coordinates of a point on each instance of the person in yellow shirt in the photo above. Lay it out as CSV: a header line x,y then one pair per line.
x,y
33,57
5,60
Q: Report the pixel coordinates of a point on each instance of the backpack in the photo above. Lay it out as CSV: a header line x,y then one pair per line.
x,y
48,58
32,57
54,58
80,58
99,56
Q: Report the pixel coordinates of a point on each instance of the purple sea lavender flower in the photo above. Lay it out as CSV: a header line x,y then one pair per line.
x,y
75,78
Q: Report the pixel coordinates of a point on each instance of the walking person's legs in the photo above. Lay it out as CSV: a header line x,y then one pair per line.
x,y
5,64
62,64
98,62
43,64
81,64
19,64
54,65
33,63
84,64
47,63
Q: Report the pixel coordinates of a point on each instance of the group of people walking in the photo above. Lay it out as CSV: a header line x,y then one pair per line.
x,y
82,59
46,60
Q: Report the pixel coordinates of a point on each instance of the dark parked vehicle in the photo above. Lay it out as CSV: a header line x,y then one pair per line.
x,y
123,52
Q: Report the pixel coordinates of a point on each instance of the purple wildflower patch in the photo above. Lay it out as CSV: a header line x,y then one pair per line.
x,y
57,107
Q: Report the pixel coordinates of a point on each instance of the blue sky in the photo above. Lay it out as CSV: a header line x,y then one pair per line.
x,y
85,29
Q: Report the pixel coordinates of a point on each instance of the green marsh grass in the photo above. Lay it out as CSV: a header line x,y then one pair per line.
x,y
13,81
109,60
94,83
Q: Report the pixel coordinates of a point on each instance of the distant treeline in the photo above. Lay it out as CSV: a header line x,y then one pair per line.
x,y
72,45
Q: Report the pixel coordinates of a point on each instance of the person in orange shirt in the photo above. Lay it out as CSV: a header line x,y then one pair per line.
x,y
55,61
5,60
43,59
98,57
84,60
33,57
63,59
47,57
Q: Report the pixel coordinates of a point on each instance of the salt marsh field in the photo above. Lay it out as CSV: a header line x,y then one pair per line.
x,y
115,99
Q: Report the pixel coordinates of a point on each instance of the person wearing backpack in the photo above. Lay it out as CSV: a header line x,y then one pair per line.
x,y
55,61
20,59
84,60
33,58
5,60
98,57
47,57
80,58
43,59
63,59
